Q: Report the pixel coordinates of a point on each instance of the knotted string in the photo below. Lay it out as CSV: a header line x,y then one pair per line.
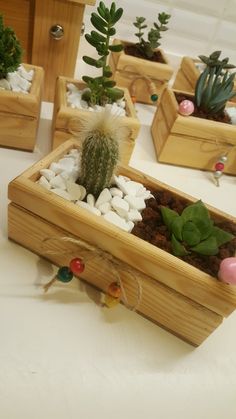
x,y
92,252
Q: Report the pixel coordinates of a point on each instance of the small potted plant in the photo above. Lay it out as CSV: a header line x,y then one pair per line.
x,y
188,74
93,93
199,132
20,94
142,67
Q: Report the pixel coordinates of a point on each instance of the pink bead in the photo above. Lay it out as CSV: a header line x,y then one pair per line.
x,y
219,166
186,107
227,272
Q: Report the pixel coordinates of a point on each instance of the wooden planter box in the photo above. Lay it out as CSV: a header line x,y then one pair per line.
x,y
175,295
188,74
66,119
190,141
126,69
19,114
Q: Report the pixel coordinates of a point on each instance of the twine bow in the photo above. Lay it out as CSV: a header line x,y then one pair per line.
x,y
96,252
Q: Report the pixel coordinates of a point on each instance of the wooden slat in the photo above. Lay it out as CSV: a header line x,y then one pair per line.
x,y
147,258
181,316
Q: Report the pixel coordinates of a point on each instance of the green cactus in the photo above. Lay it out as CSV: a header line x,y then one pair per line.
x,y
215,85
10,50
194,231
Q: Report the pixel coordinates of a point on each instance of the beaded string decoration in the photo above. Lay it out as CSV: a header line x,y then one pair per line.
x,y
150,84
115,290
219,167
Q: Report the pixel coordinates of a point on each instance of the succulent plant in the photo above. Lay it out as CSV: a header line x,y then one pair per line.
x,y
215,84
194,231
10,50
102,89
148,47
101,135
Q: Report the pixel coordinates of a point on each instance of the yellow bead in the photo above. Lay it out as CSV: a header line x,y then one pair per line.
x,y
110,301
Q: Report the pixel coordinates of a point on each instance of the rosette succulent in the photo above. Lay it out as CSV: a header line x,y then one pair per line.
x,y
194,231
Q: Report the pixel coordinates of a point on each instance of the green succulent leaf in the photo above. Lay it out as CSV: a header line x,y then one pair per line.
x,y
168,216
205,226
177,226
195,211
117,15
191,234
90,61
111,32
208,247
98,37
98,23
115,93
221,236
116,48
177,248
109,83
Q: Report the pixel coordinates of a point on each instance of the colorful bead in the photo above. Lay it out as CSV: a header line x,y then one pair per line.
x,y
217,174
114,290
223,159
154,97
64,274
186,107
227,271
219,166
110,301
77,266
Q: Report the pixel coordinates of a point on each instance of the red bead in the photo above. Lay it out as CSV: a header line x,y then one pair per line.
x,y
219,166
114,290
77,266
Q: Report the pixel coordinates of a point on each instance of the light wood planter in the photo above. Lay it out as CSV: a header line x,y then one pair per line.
x,y
127,70
188,75
190,141
19,114
175,295
66,120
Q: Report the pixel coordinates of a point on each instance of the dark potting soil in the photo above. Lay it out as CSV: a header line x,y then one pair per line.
x,y
135,52
222,117
153,230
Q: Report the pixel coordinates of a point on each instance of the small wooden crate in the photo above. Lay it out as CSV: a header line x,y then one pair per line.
x,y
19,114
188,75
175,295
127,70
66,120
190,141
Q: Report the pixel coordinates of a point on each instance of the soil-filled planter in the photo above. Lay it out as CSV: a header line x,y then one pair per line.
x,y
188,75
66,119
127,69
191,141
177,296
19,113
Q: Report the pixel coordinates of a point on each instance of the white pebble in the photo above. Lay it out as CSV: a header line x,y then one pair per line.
x,y
90,200
105,196
44,182
116,192
135,202
130,225
231,111
104,208
83,192
74,190
55,168
120,206
47,173
66,163
132,188
134,215
28,75
4,84
85,205
58,182
61,193
115,219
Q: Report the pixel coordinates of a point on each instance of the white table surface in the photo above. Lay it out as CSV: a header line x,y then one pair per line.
x,y
62,357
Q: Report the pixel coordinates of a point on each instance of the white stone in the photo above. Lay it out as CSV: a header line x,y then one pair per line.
x,y
231,111
90,200
28,75
58,182
83,192
115,219
105,196
134,215
130,225
132,188
4,84
74,190
88,207
135,202
61,193
145,194
66,163
72,87
47,173
44,182
104,208
120,182
18,82
116,192
120,206
73,152
56,168
65,175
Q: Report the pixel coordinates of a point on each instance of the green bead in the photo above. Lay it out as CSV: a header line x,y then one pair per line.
x,y
64,274
154,97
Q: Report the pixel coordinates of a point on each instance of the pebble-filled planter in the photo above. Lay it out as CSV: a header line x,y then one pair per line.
x,y
177,296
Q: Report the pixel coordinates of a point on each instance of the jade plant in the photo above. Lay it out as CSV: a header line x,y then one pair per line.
x,y
10,50
102,89
194,231
147,47
215,84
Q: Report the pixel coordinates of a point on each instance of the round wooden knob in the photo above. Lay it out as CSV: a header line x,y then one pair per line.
x,y
57,32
